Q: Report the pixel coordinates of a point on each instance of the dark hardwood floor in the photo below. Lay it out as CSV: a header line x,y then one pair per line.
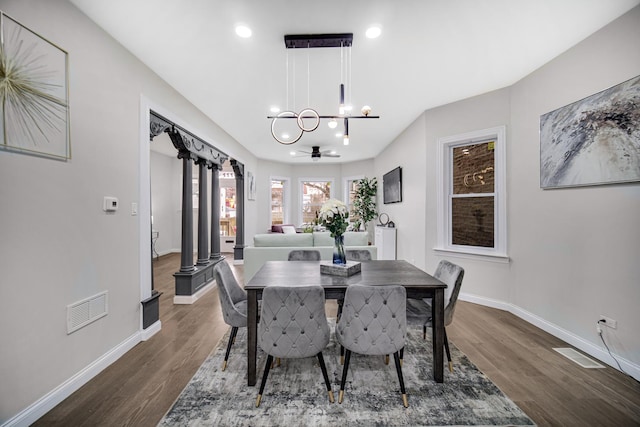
x,y
141,386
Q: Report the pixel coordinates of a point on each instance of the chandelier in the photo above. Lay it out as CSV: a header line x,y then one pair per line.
x,y
308,119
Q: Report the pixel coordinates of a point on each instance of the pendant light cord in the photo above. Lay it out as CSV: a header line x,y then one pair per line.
x,y
287,74
308,79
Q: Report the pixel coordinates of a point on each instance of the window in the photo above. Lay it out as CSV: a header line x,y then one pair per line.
x,y
227,202
280,197
313,193
350,185
472,199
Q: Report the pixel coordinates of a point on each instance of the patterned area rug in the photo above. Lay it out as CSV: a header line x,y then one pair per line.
x,y
295,393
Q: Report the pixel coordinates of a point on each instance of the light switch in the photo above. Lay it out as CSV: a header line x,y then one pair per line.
x,y
134,209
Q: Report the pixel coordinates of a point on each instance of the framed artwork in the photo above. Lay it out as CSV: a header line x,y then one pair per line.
x,y
593,141
34,98
251,186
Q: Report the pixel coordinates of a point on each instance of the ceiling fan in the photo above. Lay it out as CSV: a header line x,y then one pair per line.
x,y
316,154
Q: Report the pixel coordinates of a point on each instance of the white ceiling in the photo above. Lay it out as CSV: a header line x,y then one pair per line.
x,y
430,53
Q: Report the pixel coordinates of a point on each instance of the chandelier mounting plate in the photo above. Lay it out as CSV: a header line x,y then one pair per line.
x,y
304,41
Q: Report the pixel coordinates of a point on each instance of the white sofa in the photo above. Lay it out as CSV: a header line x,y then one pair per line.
x,y
276,247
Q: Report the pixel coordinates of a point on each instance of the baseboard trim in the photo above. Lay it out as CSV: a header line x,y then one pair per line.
x,y
190,299
153,329
578,342
50,400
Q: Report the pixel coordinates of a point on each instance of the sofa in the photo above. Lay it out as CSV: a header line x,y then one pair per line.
x,y
276,247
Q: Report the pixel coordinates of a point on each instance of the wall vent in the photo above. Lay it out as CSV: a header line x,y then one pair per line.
x,y
81,313
578,358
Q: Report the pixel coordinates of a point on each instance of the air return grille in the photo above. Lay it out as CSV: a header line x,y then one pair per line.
x,y
81,313
578,358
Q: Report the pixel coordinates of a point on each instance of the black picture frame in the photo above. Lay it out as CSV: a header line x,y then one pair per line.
x,y
392,186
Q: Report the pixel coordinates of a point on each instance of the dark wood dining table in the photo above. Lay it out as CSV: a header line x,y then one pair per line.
x,y
418,284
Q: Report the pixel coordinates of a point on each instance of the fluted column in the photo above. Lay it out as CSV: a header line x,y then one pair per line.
x,y
203,230
186,259
215,212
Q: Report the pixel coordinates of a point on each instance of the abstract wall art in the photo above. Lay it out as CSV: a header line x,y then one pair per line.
x,y
34,100
251,186
593,141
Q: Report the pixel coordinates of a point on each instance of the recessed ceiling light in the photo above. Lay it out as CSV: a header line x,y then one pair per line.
x,y
373,32
338,134
243,31
293,153
275,109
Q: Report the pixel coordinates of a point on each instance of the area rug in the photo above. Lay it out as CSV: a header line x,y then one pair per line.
x,y
295,394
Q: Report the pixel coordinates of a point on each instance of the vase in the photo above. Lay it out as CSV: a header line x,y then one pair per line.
x,y
338,250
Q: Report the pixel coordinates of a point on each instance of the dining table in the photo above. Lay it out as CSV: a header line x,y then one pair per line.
x,y
418,284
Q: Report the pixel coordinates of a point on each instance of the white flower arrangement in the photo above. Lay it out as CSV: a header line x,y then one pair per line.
x,y
333,215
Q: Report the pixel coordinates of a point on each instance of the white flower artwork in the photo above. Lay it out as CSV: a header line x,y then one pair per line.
x,y
34,99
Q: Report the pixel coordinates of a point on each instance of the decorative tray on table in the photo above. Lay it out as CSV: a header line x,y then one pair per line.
x,y
346,270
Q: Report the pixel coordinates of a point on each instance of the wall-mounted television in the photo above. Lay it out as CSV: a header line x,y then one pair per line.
x,y
392,186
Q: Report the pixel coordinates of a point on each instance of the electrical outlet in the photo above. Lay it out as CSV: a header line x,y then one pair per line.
x,y
609,322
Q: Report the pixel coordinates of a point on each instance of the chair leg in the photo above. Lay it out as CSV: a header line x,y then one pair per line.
x,y
386,359
396,358
326,376
267,366
424,331
344,375
276,362
340,302
341,355
232,337
401,355
446,348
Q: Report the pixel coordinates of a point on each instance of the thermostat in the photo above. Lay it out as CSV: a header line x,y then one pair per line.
x,y
110,204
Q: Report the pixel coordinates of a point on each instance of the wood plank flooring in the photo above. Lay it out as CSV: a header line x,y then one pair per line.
x,y
140,387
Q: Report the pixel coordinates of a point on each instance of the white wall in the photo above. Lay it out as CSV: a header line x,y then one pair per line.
x,y
57,246
573,252
163,201
487,278
408,152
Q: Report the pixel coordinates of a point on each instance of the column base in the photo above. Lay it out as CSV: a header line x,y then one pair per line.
x,y
238,252
151,309
188,283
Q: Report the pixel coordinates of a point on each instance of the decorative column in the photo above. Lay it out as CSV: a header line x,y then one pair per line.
x,y
190,280
215,212
186,259
203,231
238,249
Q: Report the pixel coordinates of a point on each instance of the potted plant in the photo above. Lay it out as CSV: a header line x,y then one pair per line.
x,y
364,203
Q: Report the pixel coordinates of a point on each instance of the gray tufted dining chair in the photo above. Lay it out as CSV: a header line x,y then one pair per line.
x,y
357,255
451,274
293,325
373,322
304,255
351,255
233,301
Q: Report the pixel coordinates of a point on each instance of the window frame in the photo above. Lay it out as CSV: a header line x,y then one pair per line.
x,y
345,191
444,183
301,193
286,199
